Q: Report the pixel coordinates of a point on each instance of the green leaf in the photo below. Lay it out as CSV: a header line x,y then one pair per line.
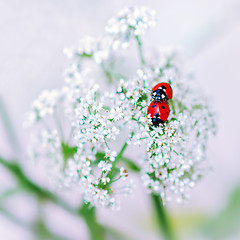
x,y
131,165
99,156
97,231
68,152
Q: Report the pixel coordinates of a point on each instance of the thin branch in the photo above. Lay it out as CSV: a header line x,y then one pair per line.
x,y
162,217
140,50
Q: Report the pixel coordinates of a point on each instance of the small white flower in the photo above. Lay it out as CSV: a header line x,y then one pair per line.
x,y
111,155
123,173
105,166
105,180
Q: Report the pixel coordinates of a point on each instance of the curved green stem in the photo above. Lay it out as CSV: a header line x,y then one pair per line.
x,y
31,187
140,50
96,230
14,168
162,217
118,157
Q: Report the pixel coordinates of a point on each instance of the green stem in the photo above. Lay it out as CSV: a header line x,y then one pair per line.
x,y
162,217
31,187
131,165
58,124
88,213
96,231
118,157
13,218
140,50
107,73
122,150
112,173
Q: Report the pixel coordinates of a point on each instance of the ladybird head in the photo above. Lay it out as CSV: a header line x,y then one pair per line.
x,y
162,91
159,94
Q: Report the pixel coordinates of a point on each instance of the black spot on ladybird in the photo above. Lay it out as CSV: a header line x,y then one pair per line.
x,y
153,106
162,107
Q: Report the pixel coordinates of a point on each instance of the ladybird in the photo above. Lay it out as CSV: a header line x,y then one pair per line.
x,y
159,112
162,91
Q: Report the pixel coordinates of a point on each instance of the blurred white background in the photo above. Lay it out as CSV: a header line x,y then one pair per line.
x,y
33,34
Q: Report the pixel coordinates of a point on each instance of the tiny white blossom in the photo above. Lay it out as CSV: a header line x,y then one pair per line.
x,y
123,173
105,166
105,180
111,155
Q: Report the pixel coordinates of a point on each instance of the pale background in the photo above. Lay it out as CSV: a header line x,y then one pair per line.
x,y
32,36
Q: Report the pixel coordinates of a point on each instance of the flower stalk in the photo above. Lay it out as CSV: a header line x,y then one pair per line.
x,y
162,217
160,211
140,50
96,230
31,187
87,212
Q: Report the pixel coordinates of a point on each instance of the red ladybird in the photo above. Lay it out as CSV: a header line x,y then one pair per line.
x,y
162,91
159,112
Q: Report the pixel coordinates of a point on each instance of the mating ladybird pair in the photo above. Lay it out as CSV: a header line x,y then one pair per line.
x,y
159,109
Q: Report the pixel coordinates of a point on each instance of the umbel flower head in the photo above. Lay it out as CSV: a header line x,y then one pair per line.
x,y
79,127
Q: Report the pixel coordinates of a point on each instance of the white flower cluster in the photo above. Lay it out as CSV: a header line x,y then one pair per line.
x,y
90,47
174,151
44,105
92,112
129,22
